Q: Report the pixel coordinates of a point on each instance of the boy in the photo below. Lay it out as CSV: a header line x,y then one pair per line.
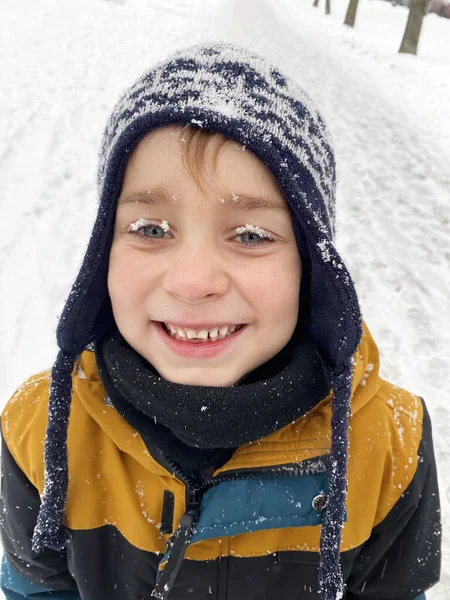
x,y
229,433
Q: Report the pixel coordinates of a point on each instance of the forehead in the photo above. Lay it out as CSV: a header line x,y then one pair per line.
x,y
237,202
170,162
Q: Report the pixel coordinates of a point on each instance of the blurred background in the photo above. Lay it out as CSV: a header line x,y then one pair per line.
x,y
63,65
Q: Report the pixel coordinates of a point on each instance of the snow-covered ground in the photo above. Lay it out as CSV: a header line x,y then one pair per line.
x,y
64,64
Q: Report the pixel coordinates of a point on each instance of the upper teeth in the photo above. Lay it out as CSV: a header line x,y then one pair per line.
x,y
214,333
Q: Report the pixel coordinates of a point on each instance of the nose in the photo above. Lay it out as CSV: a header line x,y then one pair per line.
x,y
196,272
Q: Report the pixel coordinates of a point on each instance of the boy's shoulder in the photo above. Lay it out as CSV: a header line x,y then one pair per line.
x,y
392,415
24,418
29,399
28,406
25,415
386,422
379,408
386,436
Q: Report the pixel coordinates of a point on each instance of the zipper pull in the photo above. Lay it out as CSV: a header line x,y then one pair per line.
x,y
177,546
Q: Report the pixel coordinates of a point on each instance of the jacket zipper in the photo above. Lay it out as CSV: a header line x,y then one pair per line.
x,y
177,546
180,539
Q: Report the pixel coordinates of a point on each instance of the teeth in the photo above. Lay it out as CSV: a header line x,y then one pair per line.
x,y
204,335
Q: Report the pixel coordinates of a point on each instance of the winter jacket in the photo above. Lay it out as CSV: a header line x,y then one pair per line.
x,y
256,523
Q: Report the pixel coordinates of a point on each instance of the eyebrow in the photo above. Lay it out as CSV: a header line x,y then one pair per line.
x,y
239,202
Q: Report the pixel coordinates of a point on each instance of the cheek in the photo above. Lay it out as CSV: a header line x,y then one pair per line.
x,y
129,281
275,291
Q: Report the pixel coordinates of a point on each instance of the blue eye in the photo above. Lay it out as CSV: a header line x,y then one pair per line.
x,y
254,238
152,231
148,230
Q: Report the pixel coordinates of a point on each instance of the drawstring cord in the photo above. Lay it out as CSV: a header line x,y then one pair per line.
x,y
330,572
50,532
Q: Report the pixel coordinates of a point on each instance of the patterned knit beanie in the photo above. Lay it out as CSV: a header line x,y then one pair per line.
x,y
229,90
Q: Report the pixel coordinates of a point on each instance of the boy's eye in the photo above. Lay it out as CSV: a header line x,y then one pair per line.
x,y
148,229
255,235
252,238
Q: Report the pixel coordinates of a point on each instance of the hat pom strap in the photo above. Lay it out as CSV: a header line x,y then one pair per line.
x,y
49,531
330,577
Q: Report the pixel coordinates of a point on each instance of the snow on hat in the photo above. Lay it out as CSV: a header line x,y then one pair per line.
x,y
229,90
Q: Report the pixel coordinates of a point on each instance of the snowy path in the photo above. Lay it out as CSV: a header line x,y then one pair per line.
x,y
388,115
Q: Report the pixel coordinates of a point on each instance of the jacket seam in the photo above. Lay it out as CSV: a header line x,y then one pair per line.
x,y
287,452
164,537
403,412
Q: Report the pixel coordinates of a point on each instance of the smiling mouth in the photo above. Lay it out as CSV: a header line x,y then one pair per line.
x,y
191,337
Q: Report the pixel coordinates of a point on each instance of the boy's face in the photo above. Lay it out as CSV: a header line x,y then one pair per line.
x,y
177,259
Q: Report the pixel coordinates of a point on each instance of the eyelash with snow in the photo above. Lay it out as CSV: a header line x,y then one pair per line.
x,y
141,224
247,228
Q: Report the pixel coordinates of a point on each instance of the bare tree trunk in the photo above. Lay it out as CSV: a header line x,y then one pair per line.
x,y
350,17
328,7
410,41
316,3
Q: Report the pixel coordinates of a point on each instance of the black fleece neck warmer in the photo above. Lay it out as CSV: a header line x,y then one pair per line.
x,y
200,426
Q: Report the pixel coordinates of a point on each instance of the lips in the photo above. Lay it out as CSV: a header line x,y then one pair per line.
x,y
197,349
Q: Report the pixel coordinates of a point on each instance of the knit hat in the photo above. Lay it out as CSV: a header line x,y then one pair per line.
x,y
229,90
